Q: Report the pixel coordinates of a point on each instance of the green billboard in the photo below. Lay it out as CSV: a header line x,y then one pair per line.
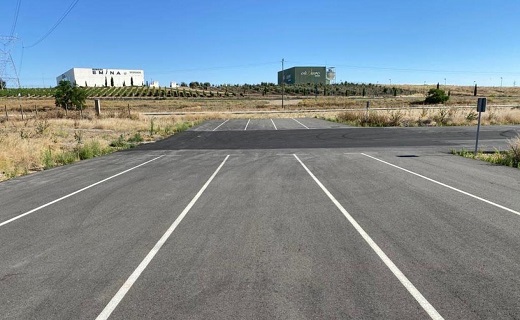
x,y
303,75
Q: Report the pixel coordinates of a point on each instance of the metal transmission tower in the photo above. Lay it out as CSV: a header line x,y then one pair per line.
x,y
8,73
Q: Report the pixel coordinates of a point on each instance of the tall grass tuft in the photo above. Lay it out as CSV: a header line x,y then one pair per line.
x,y
514,151
47,159
509,158
90,150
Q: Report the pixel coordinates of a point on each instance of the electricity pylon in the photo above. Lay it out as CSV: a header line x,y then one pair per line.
x,y
8,73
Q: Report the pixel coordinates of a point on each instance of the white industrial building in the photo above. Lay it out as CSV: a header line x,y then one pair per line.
x,y
93,77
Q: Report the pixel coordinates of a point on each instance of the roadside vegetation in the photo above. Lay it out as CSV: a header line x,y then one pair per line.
x,y
47,127
420,117
510,157
52,139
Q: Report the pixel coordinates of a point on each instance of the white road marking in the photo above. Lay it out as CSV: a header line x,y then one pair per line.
x,y
300,123
75,192
445,185
432,312
275,128
110,307
220,125
247,124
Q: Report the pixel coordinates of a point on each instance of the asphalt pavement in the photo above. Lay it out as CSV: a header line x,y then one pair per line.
x,y
268,219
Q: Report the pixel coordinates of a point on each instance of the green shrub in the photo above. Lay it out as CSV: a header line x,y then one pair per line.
x,y
436,96
120,143
47,159
66,157
136,138
90,150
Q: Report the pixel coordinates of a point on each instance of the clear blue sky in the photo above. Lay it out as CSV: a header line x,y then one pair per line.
x,y
244,41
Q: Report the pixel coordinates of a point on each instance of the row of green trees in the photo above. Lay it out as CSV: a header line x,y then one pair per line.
x,y
69,96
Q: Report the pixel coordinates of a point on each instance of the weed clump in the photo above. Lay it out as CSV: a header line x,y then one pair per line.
x,y
509,157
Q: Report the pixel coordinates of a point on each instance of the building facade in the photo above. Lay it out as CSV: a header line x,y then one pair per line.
x,y
94,77
303,75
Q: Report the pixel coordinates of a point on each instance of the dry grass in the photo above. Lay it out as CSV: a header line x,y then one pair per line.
x,y
509,157
47,136
415,101
413,117
41,142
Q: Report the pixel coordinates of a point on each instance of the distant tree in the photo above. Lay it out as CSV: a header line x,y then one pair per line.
x,y
124,83
106,83
364,91
132,81
475,90
438,86
86,85
69,96
436,96
111,81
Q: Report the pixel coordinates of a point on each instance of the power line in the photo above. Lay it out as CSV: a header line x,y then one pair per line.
x,y
72,5
17,11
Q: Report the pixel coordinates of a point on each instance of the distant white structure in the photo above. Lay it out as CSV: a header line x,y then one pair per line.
x,y
174,85
154,84
331,75
94,77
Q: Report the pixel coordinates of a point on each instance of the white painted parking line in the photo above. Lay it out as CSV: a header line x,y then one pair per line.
x,y
445,185
247,124
114,302
300,123
274,125
432,312
220,125
75,192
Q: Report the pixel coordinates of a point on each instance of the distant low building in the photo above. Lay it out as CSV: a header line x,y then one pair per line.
x,y
303,75
95,77
154,84
174,85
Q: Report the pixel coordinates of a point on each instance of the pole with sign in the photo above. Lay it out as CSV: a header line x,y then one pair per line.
x,y
481,107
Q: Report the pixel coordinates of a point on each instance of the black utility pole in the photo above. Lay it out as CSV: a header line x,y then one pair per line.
x,y
283,84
